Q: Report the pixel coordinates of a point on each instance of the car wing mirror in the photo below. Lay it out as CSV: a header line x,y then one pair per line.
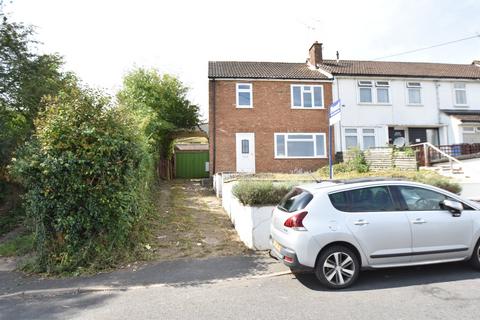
x,y
454,207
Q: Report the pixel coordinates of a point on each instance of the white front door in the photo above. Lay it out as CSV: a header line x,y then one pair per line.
x,y
246,152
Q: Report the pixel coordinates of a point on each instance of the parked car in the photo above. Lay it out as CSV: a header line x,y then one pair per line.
x,y
337,228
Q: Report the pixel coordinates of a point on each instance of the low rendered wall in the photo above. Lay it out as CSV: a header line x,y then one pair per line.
x,y
251,223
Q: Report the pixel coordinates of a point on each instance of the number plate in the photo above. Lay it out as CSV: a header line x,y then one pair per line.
x,y
277,246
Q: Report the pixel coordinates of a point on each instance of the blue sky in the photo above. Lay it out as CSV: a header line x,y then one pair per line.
x,y
101,40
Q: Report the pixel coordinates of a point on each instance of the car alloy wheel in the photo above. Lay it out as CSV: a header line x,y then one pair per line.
x,y
475,259
339,268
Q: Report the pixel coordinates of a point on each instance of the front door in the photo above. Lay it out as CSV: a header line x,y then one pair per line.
x,y
245,146
437,234
381,229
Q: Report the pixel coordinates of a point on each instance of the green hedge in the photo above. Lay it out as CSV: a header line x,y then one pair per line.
x,y
87,175
260,193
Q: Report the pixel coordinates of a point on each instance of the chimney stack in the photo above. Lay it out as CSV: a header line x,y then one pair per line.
x,y
315,54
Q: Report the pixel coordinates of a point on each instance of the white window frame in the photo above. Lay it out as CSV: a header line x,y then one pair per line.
x,y
455,94
413,85
302,88
365,84
359,134
238,90
374,85
313,134
469,132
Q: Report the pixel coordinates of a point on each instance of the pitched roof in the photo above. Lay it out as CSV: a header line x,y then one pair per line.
x,y
287,70
263,70
192,147
401,69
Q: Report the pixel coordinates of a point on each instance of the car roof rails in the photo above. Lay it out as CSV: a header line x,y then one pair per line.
x,y
370,179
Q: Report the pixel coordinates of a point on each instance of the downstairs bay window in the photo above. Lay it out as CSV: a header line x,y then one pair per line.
x,y
300,145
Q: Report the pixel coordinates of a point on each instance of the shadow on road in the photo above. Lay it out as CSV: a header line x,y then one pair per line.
x,y
400,277
178,273
182,272
62,306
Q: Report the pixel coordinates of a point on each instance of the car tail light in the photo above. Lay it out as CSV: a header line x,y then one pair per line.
x,y
296,221
288,259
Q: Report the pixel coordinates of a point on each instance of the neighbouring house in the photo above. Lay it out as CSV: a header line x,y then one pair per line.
x,y
268,116
395,102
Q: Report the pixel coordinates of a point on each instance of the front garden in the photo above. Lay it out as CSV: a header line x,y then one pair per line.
x,y
249,199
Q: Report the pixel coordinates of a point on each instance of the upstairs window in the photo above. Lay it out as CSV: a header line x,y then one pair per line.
x,y
307,96
365,89
383,91
244,95
374,92
300,145
460,92
414,93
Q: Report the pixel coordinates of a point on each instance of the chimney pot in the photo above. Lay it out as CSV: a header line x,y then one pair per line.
x,y
315,54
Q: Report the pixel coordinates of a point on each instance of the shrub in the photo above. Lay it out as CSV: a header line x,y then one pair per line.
x,y
260,193
86,174
358,162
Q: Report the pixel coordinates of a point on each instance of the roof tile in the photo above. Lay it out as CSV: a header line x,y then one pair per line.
x,y
262,70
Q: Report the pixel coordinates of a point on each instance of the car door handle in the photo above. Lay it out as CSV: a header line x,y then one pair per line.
x,y
361,222
419,221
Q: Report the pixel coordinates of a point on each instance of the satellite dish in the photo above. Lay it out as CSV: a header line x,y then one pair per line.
x,y
399,142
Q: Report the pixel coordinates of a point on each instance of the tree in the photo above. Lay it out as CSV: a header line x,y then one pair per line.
x,y
163,101
25,78
86,173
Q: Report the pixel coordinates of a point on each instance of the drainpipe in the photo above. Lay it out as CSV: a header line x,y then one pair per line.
x,y
437,101
339,122
214,128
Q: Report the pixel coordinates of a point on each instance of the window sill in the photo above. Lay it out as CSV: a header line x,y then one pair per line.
x,y
461,105
289,158
415,105
244,107
308,108
374,104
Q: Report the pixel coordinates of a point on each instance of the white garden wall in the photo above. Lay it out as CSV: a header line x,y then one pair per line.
x,y
251,223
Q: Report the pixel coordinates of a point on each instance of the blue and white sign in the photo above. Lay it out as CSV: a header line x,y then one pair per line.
x,y
335,113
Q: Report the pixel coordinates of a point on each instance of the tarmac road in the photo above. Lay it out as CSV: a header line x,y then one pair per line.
x,y
448,291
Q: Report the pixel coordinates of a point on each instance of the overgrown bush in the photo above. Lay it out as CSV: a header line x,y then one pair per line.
x,y
87,174
260,193
356,163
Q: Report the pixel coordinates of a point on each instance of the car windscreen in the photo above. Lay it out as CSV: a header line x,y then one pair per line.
x,y
296,199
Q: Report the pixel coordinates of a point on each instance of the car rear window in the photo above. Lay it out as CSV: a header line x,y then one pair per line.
x,y
296,199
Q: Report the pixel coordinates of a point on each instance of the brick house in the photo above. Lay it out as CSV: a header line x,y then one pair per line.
x,y
268,116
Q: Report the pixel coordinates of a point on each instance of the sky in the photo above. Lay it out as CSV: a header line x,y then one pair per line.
x,y
101,40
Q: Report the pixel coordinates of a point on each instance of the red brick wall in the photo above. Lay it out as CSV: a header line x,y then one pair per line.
x,y
271,113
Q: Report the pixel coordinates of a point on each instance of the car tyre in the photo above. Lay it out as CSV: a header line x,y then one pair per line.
x,y
337,267
475,259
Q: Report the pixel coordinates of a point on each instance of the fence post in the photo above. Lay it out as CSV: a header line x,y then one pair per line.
x,y
425,155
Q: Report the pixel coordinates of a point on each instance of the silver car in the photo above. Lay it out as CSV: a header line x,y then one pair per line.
x,y
338,228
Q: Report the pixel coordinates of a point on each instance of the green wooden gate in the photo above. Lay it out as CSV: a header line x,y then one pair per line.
x,y
191,164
